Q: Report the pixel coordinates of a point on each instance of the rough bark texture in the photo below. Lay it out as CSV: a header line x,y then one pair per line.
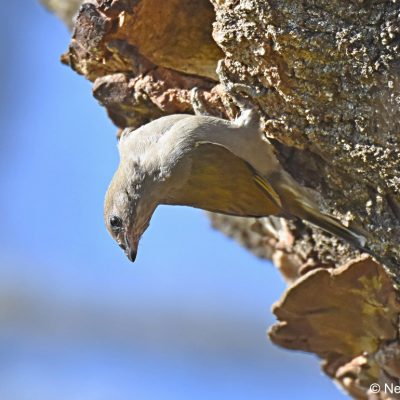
x,y
325,77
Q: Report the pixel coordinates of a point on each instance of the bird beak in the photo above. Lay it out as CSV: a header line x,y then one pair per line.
x,y
130,249
131,254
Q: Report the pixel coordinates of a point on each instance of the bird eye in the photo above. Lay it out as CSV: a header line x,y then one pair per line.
x,y
116,223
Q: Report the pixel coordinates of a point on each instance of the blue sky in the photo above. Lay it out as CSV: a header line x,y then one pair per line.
x,y
58,154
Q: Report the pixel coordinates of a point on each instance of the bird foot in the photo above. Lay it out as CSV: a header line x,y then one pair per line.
x,y
198,103
236,90
248,118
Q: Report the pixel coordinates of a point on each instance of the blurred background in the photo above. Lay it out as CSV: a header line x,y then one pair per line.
x,y
77,319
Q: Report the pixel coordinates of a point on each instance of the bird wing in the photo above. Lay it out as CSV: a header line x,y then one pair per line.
x,y
268,189
219,181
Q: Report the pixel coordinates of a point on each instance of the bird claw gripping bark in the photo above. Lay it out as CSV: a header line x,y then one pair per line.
x,y
198,103
236,90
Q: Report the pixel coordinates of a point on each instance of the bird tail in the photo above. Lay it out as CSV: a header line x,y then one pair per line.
x,y
324,221
292,199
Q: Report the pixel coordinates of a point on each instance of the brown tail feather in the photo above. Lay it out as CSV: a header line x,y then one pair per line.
x,y
335,227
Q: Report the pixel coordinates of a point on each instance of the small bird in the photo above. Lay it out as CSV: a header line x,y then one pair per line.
x,y
208,163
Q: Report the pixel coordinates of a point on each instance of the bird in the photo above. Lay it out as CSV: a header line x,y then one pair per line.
x,y
210,163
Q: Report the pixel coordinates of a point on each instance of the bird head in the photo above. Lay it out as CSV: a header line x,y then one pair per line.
x,y
128,210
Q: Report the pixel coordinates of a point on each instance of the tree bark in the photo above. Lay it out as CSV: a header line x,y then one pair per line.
x,y
325,77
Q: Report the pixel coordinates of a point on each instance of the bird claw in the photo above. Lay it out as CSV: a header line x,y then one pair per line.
x,y
235,90
198,103
248,117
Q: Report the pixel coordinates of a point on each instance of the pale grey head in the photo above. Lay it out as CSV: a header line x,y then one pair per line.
x,y
129,205
138,185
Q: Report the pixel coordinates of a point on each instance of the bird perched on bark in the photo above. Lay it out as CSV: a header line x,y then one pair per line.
x,y
208,163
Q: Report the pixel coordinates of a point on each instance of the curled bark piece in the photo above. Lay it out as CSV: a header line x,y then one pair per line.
x,y
343,314
140,72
